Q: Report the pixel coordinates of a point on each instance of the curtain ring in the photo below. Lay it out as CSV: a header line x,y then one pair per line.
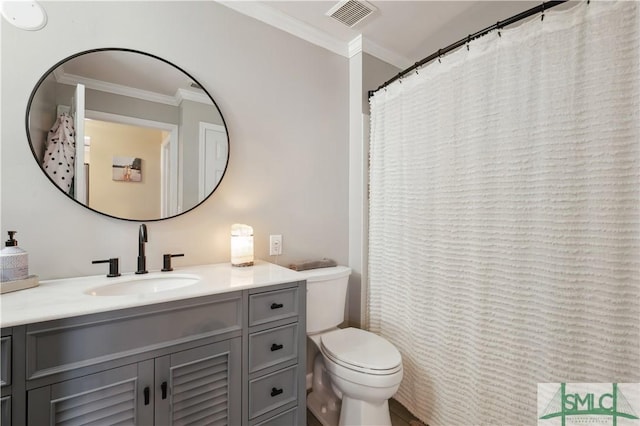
x,y
499,29
542,16
417,64
468,41
400,77
440,55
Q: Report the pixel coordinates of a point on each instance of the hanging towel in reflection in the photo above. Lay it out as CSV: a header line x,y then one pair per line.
x,y
60,152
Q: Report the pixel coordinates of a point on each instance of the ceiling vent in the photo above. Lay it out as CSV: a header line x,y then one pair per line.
x,y
351,12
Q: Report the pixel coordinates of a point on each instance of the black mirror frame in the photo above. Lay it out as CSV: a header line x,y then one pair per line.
x,y
59,63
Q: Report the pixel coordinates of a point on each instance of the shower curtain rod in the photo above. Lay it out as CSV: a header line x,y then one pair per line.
x,y
462,42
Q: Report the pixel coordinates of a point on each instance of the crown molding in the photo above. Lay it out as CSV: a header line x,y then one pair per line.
x,y
284,22
188,95
362,44
117,89
355,46
385,54
132,92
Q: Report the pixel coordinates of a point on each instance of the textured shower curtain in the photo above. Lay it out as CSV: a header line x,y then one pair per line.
x,y
504,216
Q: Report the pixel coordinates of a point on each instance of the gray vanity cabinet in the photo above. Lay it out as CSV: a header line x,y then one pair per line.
x,y
196,385
160,364
235,358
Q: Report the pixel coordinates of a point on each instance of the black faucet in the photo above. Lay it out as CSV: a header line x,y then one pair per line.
x,y
142,259
113,266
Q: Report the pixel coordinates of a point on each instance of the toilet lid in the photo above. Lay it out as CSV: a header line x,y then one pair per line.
x,y
361,349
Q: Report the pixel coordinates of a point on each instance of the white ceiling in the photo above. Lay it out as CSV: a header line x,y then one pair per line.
x,y
399,32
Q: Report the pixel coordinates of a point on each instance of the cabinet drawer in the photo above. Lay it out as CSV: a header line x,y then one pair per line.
x,y
5,361
272,391
273,305
273,346
288,418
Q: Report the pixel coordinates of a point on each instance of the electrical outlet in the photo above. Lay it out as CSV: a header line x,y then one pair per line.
x,y
275,245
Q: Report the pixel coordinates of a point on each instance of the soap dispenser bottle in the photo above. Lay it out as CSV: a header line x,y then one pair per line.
x,y
14,263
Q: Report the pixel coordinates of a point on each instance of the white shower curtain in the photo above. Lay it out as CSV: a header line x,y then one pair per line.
x,y
504,242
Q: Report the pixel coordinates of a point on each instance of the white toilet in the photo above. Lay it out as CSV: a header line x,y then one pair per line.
x,y
355,372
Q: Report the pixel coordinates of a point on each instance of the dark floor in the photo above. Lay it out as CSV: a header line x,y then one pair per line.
x,y
399,416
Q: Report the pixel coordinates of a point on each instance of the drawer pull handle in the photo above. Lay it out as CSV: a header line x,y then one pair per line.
x,y
276,391
163,387
146,395
276,347
276,305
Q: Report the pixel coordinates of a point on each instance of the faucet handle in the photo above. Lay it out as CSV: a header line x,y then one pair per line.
x,y
166,261
113,266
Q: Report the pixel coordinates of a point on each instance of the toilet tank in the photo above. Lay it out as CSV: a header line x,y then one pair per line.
x,y
326,297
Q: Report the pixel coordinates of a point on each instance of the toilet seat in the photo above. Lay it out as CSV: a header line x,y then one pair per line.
x,y
361,351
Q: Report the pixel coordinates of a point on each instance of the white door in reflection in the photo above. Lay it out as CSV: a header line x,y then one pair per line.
x,y
77,112
213,157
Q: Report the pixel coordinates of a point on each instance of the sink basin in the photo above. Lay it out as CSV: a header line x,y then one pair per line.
x,y
147,284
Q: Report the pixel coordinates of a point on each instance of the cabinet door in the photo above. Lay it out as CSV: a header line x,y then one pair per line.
x,y
5,361
204,385
5,411
122,396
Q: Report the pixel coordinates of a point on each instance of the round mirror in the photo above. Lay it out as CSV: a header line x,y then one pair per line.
x,y
127,134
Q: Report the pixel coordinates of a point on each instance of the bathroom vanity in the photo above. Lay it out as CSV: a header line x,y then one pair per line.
x,y
226,348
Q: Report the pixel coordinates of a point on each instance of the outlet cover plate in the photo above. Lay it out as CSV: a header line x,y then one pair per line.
x,y
275,245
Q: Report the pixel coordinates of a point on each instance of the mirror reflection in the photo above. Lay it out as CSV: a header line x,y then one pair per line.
x,y
127,134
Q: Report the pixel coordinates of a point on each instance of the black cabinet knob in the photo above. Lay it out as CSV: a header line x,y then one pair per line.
x,y
276,391
276,347
146,393
276,305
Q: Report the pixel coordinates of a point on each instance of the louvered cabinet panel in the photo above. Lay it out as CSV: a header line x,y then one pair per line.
x,y
203,385
5,379
112,404
111,397
5,411
5,361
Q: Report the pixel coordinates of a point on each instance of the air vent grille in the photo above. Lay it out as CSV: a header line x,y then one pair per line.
x,y
351,12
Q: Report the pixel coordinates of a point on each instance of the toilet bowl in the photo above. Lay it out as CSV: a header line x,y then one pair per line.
x,y
355,371
366,370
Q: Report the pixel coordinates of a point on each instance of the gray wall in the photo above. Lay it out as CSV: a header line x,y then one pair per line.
x,y
374,73
43,115
285,102
96,100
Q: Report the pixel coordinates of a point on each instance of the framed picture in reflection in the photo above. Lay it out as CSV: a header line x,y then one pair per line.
x,y
127,169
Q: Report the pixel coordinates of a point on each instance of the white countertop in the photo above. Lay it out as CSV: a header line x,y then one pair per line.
x,y
69,297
